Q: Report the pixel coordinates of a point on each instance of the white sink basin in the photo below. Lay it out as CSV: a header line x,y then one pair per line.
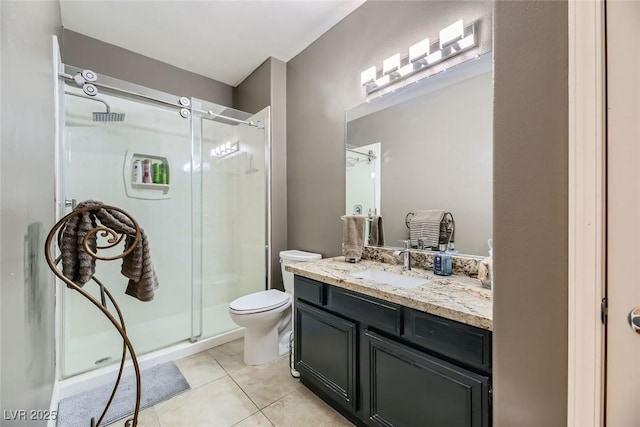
x,y
390,278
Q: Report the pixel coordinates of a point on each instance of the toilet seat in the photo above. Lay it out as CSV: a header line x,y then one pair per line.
x,y
259,302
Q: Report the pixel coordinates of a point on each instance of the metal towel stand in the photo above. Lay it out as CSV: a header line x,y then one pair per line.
x,y
114,239
447,218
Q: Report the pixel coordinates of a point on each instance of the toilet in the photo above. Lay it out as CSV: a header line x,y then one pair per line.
x,y
266,315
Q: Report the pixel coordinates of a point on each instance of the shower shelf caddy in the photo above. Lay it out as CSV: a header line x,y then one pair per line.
x,y
117,320
145,190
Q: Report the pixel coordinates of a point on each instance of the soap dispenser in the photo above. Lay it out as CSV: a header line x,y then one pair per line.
x,y
442,264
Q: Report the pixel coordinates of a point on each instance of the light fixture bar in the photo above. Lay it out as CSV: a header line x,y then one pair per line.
x,y
454,40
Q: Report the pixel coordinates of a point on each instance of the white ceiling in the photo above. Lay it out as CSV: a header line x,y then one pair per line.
x,y
223,40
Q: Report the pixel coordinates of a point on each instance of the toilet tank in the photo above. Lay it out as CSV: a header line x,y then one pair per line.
x,y
289,257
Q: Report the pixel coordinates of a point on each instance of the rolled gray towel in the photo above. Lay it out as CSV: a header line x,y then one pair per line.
x,y
425,225
79,266
376,234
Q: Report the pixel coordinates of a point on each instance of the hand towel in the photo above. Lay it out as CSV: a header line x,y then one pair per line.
x,y
376,234
352,237
425,225
79,266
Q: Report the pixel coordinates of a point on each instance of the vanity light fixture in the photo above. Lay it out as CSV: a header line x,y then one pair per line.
x,y
454,39
225,149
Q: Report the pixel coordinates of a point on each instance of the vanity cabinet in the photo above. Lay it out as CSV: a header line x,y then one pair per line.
x,y
382,364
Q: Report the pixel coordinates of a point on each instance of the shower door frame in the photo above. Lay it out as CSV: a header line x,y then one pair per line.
x,y
145,95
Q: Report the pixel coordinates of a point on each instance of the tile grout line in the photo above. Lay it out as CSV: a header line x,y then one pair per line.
x,y
245,418
208,382
267,418
245,393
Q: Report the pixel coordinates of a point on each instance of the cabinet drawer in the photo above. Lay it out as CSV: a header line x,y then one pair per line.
x,y
368,310
309,290
460,342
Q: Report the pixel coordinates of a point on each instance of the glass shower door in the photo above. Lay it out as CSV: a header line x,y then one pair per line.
x,y
232,165
99,158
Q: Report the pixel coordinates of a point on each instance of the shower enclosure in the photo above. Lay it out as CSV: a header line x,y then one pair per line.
x,y
204,210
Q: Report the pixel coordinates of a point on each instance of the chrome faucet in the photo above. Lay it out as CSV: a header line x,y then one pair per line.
x,y
406,255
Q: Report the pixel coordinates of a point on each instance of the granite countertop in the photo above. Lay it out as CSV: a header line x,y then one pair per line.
x,y
459,298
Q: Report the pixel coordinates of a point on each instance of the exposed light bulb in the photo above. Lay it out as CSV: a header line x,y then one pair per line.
x,y
419,50
391,64
368,76
451,34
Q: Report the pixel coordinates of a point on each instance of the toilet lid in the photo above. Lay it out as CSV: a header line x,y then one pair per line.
x,y
260,301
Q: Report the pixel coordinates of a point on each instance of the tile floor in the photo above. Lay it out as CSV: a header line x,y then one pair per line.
x,y
225,392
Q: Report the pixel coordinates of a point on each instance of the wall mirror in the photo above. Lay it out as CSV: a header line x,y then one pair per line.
x,y
427,146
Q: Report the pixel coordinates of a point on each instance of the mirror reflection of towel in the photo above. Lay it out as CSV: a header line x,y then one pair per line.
x,y
376,234
425,225
352,237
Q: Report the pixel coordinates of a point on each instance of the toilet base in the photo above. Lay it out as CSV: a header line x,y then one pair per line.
x,y
261,346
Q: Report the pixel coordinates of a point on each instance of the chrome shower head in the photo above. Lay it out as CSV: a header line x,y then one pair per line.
x,y
108,116
99,116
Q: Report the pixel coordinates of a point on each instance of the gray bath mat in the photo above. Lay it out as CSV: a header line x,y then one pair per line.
x,y
159,383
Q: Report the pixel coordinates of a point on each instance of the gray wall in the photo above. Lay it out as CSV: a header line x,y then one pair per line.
x,y
254,93
27,294
530,213
267,85
104,58
530,175
323,81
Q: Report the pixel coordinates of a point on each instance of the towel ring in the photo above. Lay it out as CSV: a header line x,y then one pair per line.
x,y
407,219
112,239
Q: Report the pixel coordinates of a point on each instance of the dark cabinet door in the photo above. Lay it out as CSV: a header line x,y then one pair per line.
x,y
325,349
409,388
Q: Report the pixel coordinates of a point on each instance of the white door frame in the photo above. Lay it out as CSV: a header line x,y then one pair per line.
x,y
587,213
